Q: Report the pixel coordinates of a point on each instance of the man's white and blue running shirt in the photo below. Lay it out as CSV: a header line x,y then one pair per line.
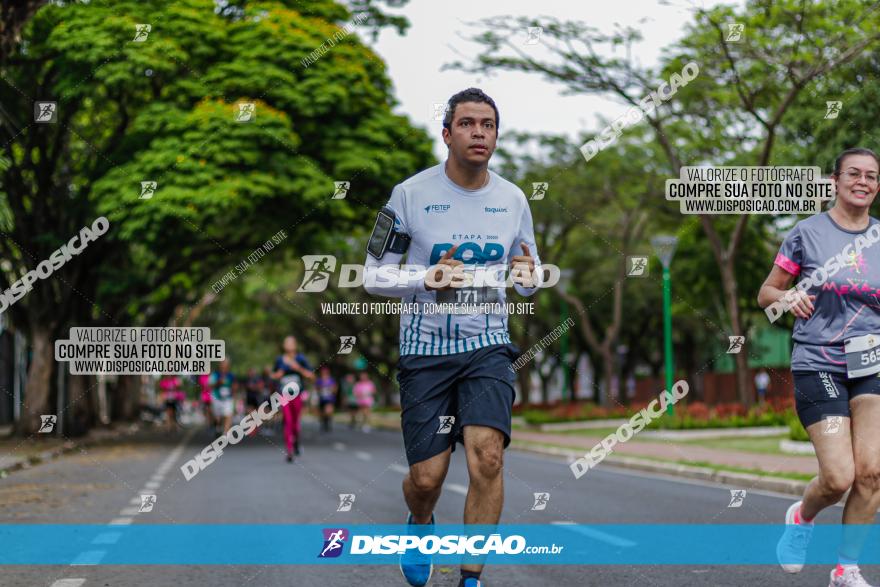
x,y
489,225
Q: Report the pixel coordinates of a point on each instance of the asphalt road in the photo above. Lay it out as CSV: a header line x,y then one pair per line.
x,y
252,484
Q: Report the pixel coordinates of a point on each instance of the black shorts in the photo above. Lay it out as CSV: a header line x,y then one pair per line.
x,y
820,394
475,387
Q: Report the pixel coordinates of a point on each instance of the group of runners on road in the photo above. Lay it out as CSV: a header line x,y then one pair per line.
x,y
223,395
459,215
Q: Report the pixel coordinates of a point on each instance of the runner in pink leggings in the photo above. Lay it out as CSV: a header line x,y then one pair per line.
x,y
292,367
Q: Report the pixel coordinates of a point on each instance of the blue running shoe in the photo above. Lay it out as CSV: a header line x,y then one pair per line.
x,y
791,551
471,582
415,566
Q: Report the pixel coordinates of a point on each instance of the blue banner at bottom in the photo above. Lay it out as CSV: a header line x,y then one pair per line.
x,y
525,544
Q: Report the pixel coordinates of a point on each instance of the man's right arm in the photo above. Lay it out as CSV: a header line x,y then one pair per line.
x,y
388,278
385,276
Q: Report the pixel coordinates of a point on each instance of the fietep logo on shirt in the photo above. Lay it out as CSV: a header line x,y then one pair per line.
x,y
437,208
491,210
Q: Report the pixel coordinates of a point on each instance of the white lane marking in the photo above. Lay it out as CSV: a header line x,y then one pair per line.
x,y
596,534
338,446
151,486
456,488
399,468
68,583
120,522
364,456
107,538
90,557
175,455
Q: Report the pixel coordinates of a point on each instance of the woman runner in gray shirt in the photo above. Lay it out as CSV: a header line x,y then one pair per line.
x,y
835,359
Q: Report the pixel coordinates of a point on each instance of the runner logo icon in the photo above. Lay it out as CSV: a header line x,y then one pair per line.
x,y
832,424
346,500
141,32
638,266
47,423
734,32
346,345
541,500
539,190
832,108
737,497
446,424
533,32
45,112
334,540
736,344
147,503
246,112
318,269
340,189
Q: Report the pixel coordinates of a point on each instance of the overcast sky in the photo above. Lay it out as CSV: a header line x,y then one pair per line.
x,y
526,102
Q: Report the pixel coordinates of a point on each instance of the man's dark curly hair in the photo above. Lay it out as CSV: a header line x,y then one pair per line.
x,y
469,95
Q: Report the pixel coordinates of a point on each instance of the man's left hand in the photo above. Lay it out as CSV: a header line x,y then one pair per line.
x,y
522,268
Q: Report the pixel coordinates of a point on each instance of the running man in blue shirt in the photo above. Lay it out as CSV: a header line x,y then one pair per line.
x,y
464,230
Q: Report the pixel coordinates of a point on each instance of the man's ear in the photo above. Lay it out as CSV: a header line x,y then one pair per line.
x,y
446,135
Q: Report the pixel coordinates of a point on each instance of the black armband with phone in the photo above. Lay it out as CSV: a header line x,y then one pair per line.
x,y
384,238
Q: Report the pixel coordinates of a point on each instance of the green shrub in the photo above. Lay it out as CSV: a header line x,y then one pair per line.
x,y
796,430
684,421
538,417
688,416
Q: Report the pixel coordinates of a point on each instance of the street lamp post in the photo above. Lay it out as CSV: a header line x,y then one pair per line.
x,y
664,247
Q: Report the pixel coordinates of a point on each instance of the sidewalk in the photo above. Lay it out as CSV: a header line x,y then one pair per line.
x,y
22,453
673,451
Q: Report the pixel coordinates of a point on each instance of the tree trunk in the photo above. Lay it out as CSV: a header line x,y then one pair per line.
x,y
545,391
80,402
525,384
740,359
126,398
13,18
39,380
612,383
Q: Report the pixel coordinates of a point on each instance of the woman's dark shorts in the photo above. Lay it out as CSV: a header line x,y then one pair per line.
x,y
821,394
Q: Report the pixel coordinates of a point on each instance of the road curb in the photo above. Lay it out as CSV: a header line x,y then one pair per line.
x,y
68,446
729,478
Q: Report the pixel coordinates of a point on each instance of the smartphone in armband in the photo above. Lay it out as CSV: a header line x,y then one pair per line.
x,y
384,238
